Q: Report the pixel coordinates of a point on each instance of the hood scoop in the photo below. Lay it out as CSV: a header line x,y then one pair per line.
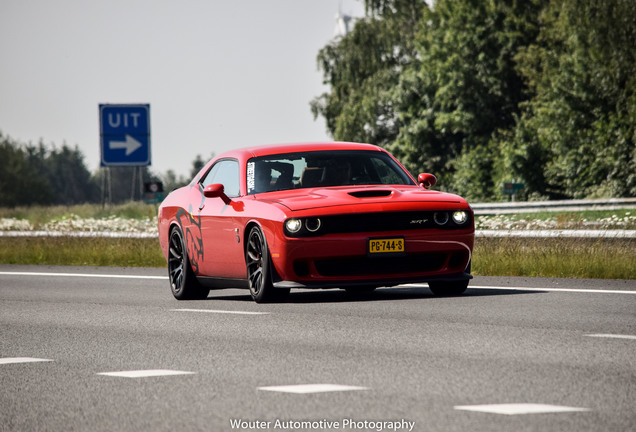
x,y
371,193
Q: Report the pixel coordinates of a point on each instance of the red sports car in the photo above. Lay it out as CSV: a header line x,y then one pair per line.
x,y
320,215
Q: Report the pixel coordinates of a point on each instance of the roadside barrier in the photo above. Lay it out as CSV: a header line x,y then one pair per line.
x,y
552,206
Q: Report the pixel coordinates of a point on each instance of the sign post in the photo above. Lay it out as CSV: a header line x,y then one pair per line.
x,y
124,132
512,188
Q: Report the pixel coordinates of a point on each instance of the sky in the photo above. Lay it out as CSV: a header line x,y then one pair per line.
x,y
218,74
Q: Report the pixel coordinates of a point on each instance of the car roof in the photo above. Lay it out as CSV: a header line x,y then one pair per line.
x,y
248,152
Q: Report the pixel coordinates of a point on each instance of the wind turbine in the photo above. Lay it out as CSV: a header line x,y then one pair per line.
x,y
342,23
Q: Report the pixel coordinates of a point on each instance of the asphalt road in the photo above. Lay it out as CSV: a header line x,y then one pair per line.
x,y
512,354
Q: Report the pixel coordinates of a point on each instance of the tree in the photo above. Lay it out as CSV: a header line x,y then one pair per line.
x,y
430,85
582,122
67,175
124,183
197,164
31,175
466,91
362,69
481,92
20,181
171,181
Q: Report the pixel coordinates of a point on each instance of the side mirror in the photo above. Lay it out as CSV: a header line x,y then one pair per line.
x,y
426,180
216,190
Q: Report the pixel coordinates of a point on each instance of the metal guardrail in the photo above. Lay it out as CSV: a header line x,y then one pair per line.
x,y
557,233
553,206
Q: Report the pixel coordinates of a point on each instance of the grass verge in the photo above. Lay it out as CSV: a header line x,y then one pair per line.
x,y
81,251
551,257
555,257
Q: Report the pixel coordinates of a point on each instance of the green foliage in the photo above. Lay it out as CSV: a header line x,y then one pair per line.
x,y
81,251
20,180
197,164
562,258
482,92
49,175
171,181
362,69
120,184
474,172
68,176
40,175
582,122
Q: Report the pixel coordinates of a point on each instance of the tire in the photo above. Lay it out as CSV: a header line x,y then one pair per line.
x,y
259,274
183,282
448,289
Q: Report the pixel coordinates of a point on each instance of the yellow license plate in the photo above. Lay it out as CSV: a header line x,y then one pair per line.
x,y
393,245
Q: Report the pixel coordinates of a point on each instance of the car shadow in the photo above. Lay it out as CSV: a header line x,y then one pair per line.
x,y
380,294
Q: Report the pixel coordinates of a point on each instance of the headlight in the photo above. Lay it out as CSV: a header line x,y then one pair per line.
x,y
293,225
312,224
460,217
440,218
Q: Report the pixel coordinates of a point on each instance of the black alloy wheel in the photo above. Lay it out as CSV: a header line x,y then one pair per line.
x,y
183,282
259,269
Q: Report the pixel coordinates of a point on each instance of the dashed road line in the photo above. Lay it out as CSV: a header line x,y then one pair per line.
x,y
519,408
612,336
311,388
218,311
145,373
14,360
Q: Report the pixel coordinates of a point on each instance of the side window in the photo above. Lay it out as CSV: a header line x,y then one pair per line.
x,y
225,172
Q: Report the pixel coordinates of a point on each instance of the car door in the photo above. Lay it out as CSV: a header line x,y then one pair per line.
x,y
220,224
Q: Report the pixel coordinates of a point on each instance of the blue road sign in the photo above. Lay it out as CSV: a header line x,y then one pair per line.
x,y
124,134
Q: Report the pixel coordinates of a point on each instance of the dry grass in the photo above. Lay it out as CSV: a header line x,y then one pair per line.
x,y
81,251
556,257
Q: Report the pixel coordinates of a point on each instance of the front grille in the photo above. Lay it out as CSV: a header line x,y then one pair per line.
x,y
360,266
385,221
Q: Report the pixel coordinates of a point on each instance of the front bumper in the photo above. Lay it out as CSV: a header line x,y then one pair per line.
x,y
343,260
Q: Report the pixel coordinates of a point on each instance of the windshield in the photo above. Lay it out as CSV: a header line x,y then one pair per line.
x,y
322,169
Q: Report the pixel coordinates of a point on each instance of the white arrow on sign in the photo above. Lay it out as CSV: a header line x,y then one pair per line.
x,y
130,145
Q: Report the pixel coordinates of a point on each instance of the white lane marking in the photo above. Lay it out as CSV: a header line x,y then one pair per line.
x,y
12,360
220,311
115,276
519,408
614,336
82,275
595,291
145,373
311,388
574,290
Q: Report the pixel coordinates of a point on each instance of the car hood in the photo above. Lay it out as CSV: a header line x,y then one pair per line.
x,y
385,196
